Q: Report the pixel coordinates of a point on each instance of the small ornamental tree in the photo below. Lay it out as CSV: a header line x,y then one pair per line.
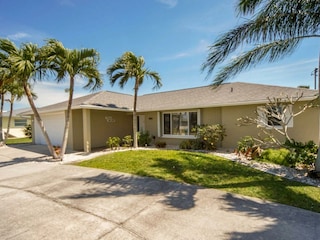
x,y
208,136
276,117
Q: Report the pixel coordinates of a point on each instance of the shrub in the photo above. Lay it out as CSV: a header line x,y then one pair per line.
x,y
113,142
28,131
208,136
248,147
144,139
303,153
186,144
127,141
278,156
161,144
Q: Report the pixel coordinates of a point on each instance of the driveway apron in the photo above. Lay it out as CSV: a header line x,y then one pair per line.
x,y
43,199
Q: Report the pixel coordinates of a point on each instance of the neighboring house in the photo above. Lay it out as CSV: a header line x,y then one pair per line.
x,y
170,116
17,124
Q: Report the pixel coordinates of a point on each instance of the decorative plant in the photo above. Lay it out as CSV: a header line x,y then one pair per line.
x,y
28,130
144,138
127,141
208,136
113,142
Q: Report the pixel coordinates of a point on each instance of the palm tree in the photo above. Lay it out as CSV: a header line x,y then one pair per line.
x,y
16,93
26,62
274,29
69,63
130,66
5,78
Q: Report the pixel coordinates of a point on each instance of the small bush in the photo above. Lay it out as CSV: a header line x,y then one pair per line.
x,y
208,136
28,131
248,147
144,139
277,156
113,142
127,141
191,144
161,144
186,144
302,153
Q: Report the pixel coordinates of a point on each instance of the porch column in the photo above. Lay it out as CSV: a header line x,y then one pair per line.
x,y
86,130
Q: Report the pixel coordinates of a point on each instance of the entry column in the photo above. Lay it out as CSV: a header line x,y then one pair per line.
x,y
86,130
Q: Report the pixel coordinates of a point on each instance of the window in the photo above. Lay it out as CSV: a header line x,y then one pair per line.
x,y
20,122
275,116
179,123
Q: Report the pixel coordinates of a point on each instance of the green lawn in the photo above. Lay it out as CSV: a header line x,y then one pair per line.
x,y
18,140
212,172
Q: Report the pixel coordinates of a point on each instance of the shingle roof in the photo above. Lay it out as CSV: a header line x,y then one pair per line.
x,y
98,100
16,112
229,94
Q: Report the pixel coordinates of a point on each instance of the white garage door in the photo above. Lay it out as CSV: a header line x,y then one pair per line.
x,y
54,124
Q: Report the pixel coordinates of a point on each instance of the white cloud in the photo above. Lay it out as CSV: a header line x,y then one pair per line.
x,y
202,47
18,36
169,3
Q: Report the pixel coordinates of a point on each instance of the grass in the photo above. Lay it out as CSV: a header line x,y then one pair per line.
x,y
210,171
18,140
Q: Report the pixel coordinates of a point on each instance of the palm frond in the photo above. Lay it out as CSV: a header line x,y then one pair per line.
x,y
266,52
275,21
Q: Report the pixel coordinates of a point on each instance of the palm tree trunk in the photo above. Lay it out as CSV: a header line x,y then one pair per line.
x,y
67,120
134,116
39,120
10,116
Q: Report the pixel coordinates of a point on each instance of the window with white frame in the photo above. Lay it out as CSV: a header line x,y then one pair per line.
x,y
179,123
275,116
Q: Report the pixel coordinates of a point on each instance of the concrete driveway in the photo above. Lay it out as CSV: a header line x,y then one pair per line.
x,y
41,199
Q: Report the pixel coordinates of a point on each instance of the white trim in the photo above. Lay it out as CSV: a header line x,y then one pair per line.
x,y
173,112
159,123
262,117
179,136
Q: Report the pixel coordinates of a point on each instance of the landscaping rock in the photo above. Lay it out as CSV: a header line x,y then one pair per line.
x,y
301,175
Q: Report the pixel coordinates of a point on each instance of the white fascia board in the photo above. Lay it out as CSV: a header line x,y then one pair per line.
x,y
103,108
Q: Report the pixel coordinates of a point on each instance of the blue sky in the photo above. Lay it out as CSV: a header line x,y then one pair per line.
x,y
172,35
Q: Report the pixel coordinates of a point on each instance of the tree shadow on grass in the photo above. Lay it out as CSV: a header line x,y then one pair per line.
x,y
231,176
285,222
104,185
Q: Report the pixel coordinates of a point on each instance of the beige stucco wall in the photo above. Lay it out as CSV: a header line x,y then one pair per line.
x,y
305,126
106,124
77,133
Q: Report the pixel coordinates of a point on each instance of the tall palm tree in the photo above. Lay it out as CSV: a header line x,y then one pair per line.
x,y
16,92
130,66
69,63
274,29
26,62
5,78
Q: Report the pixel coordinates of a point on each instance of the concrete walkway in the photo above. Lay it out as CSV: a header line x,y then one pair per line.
x,y
41,199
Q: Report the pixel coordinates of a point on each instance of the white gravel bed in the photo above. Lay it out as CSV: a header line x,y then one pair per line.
x,y
278,170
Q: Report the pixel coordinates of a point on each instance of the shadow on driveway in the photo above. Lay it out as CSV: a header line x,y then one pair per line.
x,y
287,220
21,153
178,196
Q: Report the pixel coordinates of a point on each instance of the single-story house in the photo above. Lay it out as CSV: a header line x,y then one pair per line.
x,y
17,123
169,116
